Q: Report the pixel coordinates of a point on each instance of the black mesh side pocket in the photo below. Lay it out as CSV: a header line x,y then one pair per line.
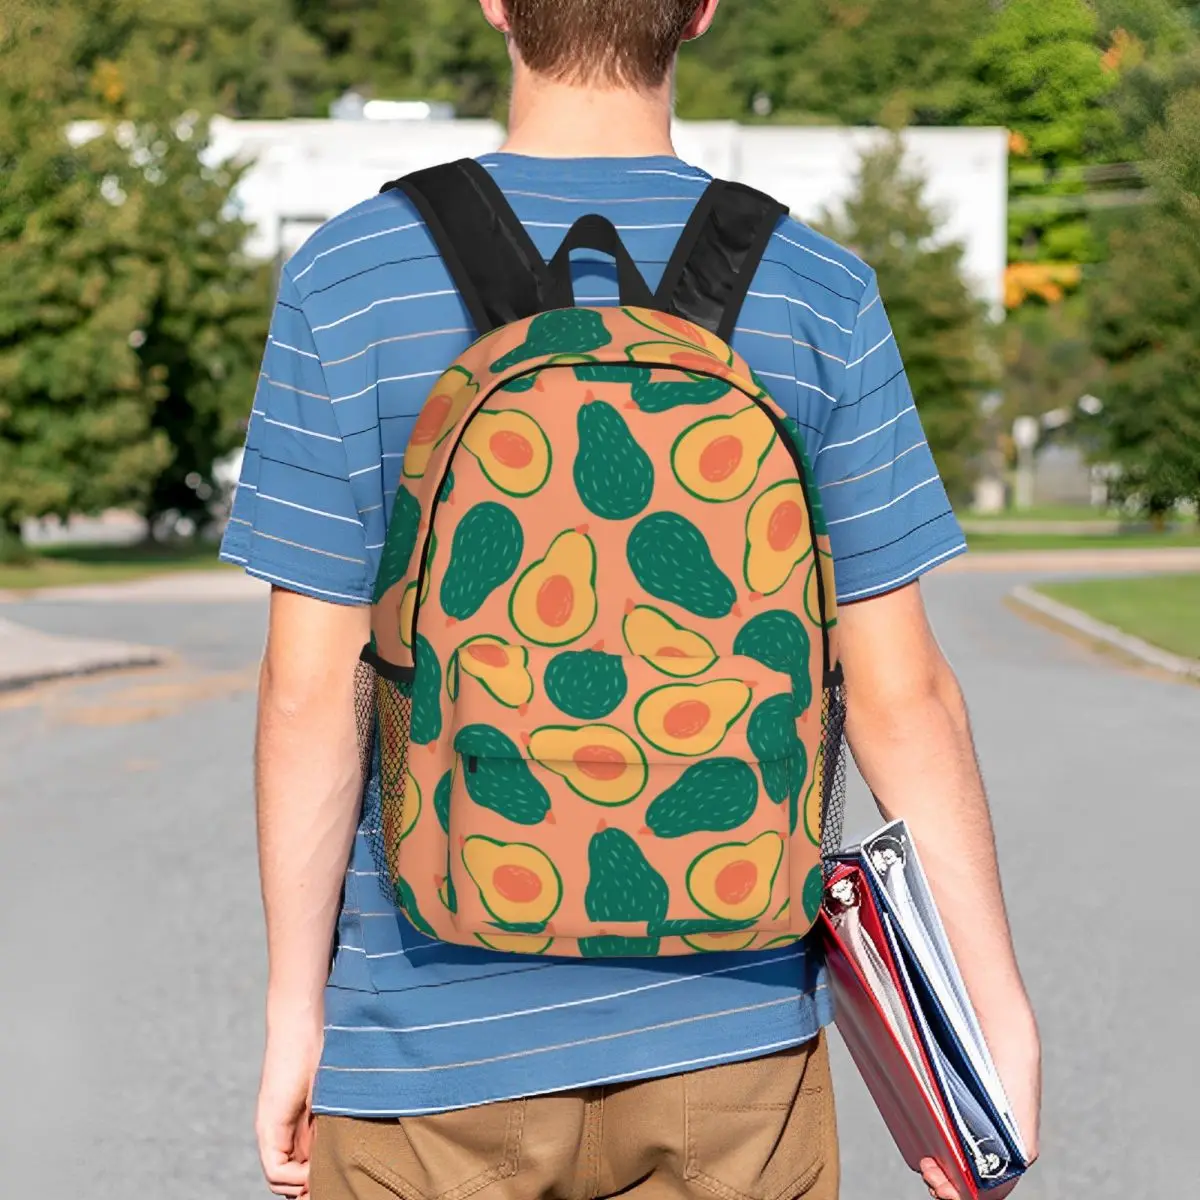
x,y
384,703
833,772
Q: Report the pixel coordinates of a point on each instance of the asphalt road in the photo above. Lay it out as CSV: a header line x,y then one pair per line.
x,y
131,949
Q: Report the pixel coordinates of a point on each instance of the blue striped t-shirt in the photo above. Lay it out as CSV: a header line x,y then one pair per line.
x,y
366,321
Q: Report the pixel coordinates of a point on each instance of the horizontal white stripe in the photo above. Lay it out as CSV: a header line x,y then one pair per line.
x,y
889,584
400,337
787,337
287,387
302,587
233,558
870,512
870,432
620,228
672,174
607,200
833,262
365,470
862,312
316,512
878,345
240,521
386,379
366,237
325,437
672,1068
873,470
376,546
250,487
371,508
293,349
812,387
387,300
310,549
545,1008
535,1050
801,304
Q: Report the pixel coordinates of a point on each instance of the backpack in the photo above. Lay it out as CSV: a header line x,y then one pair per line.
x,y
601,702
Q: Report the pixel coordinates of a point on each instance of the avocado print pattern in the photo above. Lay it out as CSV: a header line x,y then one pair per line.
x,y
485,553
598,603
613,474
564,331
672,561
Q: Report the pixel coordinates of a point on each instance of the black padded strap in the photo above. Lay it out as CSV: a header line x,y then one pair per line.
x,y
714,263
491,258
594,232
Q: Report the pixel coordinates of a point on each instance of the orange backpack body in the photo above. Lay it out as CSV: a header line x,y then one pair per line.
x,y
607,716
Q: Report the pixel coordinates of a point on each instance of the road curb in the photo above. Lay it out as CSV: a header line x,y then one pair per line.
x,y
1097,631
28,656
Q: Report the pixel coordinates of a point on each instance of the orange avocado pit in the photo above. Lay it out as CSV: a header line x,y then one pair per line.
x,y
603,763
720,458
736,881
489,654
555,601
686,719
517,884
785,525
429,423
511,449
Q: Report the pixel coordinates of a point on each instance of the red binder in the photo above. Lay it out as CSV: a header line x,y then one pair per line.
x,y
901,1080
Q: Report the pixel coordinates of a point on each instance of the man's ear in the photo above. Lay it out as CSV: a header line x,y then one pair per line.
x,y
496,13
698,26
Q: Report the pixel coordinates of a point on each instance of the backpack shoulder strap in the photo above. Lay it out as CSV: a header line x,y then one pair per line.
x,y
490,256
714,263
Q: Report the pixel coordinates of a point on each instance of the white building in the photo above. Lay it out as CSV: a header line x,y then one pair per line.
x,y
305,172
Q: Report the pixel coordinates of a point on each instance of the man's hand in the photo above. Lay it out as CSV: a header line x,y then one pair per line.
x,y
908,728
309,792
283,1123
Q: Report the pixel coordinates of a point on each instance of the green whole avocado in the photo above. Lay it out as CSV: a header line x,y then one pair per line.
x,y
657,396
771,732
408,902
622,885
715,795
779,639
618,947
441,800
563,331
613,474
485,552
586,684
671,560
401,541
497,776
814,893
426,694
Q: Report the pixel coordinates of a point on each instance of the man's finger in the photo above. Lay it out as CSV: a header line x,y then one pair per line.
x,y
937,1181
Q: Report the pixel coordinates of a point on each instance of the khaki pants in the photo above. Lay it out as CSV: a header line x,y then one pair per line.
x,y
758,1130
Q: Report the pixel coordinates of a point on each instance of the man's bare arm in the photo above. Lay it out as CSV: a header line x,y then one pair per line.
x,y
908,728
309,787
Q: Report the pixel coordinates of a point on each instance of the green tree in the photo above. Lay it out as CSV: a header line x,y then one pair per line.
x,y
1146,310
76,403
941,328
1039,70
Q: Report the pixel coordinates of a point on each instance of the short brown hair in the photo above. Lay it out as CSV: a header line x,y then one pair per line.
x,y
629,42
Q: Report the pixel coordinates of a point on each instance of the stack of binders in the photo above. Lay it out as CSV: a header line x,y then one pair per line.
x,y
905,1016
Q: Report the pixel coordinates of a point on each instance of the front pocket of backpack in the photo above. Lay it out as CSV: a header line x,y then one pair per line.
x,y
641,805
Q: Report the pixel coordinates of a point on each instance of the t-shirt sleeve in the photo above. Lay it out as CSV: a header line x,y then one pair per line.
x,y
888,515
295,522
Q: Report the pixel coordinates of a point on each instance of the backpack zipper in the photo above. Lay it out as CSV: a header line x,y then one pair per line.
x,y
777,423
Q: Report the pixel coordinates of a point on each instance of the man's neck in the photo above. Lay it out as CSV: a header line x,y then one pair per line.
x,y
557,120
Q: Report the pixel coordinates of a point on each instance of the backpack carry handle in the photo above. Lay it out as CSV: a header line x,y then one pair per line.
x,y
595,232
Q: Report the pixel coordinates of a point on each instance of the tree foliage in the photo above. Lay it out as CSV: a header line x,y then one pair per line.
x,y
1146,310
129,321
942,328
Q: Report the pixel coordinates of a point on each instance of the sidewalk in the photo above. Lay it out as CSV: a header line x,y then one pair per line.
x,y
28,656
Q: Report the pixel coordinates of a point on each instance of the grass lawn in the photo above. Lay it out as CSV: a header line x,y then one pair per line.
x,y
1162,609
1082,541
65,566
